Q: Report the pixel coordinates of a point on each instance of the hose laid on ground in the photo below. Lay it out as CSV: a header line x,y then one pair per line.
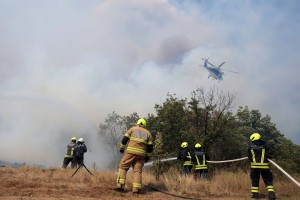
x,y
173,195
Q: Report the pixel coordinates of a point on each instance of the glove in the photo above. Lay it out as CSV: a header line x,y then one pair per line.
x,y
146,159
121,148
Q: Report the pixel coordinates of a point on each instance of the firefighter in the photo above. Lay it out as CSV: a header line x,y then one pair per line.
x,y
199,158
185,156
79,151
258,154
139,147
69,157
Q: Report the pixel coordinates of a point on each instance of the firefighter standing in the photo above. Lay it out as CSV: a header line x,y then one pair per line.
x,y
258,155
199,158
69,157
79,151
139,146
185,156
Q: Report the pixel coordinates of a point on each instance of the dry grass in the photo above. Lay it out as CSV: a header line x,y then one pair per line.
x,y
35,183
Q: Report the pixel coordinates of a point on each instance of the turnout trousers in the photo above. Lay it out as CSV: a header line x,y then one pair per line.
x,y
137,163
268,180
67,160
187,169
200,173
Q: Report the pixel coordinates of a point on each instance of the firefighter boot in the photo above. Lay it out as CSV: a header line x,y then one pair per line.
x,y
272,196
137,192
255,196
120,188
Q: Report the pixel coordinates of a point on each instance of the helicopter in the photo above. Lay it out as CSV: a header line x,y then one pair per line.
x,y
215,72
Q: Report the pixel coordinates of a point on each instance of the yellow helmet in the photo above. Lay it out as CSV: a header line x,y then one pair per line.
x,y
141,121
197,145
73,139
184,144
255,136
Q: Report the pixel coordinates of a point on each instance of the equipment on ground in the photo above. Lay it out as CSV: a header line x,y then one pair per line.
x,y
215,72
82,165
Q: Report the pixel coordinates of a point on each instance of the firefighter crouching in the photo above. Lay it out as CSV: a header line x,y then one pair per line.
x,y
258,155
199,158
185,156
139,147
69,157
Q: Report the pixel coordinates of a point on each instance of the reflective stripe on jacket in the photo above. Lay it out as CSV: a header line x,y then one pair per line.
x,y
189,160
200,159
185,156
70,150
139,139
258,156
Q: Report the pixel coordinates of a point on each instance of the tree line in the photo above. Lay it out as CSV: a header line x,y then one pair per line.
x,y
207,117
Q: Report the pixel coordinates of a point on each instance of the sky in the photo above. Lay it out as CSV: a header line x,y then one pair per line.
x,y
65,65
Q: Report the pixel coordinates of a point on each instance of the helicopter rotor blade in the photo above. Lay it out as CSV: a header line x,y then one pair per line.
x,y
206,61
230,71
210,63
221,65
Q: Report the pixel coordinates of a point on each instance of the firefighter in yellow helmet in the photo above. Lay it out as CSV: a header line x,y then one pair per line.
x,y
139,147
258,154
186,157
199,158
70,154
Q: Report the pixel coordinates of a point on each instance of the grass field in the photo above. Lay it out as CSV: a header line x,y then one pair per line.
x,y
47,184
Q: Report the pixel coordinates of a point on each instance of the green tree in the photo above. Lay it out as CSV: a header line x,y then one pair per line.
x,y
130,120
284,151
213,118
171,122
206,118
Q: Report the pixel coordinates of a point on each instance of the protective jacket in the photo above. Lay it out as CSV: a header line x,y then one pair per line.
x,y
70,150
199,158
80,149
139,141
185,156
258,154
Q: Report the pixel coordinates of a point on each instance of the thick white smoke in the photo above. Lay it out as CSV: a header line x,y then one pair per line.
x,y
63,72
37,131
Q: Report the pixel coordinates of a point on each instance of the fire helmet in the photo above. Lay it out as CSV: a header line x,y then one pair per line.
x,y
197,146
184,145
255,136
141,121
73,139
81,140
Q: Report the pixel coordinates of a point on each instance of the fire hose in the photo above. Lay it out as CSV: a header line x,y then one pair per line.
x,y
234,160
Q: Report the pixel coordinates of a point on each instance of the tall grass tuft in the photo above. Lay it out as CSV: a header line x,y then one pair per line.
x,y
35,183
